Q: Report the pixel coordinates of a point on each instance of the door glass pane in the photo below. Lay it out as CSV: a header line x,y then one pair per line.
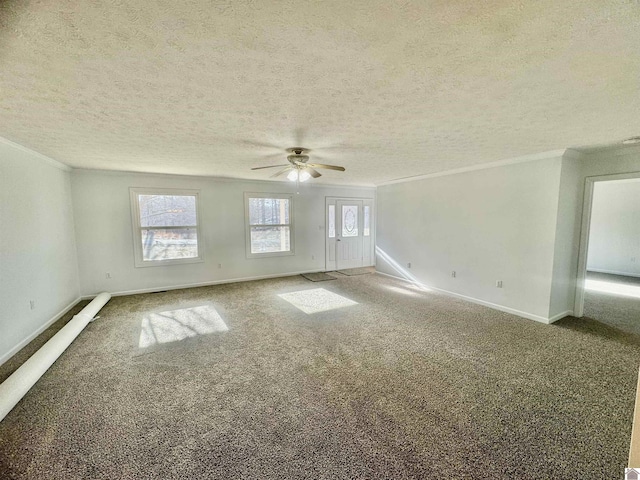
x,y
270,239
169,244
269,211
366,230
349,220
332,221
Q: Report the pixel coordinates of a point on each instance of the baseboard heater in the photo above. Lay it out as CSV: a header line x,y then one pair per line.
x,y
20,382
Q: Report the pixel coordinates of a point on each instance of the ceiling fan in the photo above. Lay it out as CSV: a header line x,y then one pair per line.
x,y
298,167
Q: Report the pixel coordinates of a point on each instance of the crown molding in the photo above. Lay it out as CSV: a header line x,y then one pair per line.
x,y
574,154
44,158
90,171
501,163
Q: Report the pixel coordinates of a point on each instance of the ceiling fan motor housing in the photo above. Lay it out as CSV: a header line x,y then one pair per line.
x,y
298,158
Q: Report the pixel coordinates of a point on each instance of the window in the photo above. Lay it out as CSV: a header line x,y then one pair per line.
x,y
349,220
165,226
366,229
332,221
269,221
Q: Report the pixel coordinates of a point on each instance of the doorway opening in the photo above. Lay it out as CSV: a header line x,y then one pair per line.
x,y
609,263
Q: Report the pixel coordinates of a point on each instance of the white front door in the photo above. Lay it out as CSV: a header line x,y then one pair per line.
x,y
349,234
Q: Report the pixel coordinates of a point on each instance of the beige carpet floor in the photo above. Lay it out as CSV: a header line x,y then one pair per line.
x,y
393,383
618,311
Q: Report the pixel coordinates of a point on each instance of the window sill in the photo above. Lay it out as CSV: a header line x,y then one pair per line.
x,y
163,263
269,254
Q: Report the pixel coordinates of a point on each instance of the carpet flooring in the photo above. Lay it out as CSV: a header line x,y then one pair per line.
x,y
618,311
395,383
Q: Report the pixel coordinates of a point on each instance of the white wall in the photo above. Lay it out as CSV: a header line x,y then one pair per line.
x,y
105,239
602,163
567,241
614,238
37,245
487,225
611,161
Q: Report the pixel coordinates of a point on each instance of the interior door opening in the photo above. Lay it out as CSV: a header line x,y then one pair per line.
x,y
611,264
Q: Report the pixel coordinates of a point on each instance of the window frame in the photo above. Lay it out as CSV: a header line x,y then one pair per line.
x,y
138,257
248,225
366,218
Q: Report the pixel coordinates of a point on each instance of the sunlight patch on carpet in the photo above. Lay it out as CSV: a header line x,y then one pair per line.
x,y
176,325
613,288
316,300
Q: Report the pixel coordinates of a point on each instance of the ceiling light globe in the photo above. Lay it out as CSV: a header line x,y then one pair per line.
x,y
304,176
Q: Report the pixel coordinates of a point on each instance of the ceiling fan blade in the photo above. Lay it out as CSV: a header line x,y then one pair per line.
x,y
312,172
321,165
281,172
270,166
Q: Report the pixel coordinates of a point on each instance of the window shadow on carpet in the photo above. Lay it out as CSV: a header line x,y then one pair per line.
x,y
176,325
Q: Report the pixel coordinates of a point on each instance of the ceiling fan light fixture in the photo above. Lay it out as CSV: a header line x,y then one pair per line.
x,y
298,169
304,176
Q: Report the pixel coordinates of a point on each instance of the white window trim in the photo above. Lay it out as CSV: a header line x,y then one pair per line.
x,y
137,228
247,223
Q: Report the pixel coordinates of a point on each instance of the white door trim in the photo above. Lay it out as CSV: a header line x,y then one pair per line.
x,y
584,234
330,243
351,247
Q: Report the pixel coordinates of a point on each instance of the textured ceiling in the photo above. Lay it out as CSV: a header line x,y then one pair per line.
x,y
386,89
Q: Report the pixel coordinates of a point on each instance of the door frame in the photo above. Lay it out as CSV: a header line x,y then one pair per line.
x,y
585,229
330,243
358,240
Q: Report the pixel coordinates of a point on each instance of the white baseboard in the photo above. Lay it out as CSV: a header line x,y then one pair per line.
x,y
613,272
202,284
23,343
495,306
555,318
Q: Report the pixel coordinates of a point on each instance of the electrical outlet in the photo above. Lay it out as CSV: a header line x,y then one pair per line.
x,y
107,275
32,304
453,274
409,265
219,265
313,257
499,283
633,259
